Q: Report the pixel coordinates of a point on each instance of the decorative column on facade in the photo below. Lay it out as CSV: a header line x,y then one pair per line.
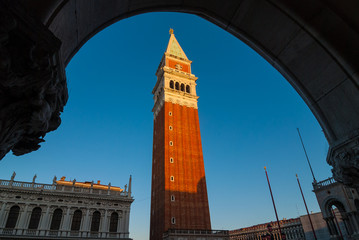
x,y
347,223
104,224
65,226
22,219
85,225
353,219
44,221
126,223
2,215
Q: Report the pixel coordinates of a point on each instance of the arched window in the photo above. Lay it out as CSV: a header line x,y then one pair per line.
x,y
182,87
95,223
76,221
171,84
56,219
35,218
188,89
13,216
177,86
113,222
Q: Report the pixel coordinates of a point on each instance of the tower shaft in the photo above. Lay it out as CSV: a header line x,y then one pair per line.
x,y
179,193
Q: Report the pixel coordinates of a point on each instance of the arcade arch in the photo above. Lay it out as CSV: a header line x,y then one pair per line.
x,y
314,58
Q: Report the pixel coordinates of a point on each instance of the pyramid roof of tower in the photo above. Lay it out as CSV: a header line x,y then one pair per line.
x,y
174,48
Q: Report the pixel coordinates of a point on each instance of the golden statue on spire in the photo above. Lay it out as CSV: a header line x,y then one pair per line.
x,y
171,31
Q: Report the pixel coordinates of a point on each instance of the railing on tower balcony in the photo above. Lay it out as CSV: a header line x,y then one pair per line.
x,y
59,188
324,183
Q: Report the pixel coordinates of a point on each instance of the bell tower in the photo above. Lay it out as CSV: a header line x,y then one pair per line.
x,y
179,192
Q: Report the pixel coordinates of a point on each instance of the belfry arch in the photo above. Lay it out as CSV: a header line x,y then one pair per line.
x,y
313,44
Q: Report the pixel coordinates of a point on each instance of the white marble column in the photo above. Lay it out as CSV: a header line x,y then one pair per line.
x,y
21,222
44,221
104,228
65,224
127,222
85,223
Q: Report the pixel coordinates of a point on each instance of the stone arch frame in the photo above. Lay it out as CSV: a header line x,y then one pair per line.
x,y
20,209
111,219
31,217
322,68
52,219
99,214
72,216
343,210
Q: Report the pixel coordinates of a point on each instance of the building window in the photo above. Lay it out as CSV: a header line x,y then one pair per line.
x,y
171,84
95,223
76,220
56,219
171,143
170,127
35,218
173,198
177,86
113,222
170,113
13,216
182,87
173,220
171,160
172,178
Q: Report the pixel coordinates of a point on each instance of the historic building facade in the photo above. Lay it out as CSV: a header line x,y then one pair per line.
x,y
339,205
179,192
292,228
63,210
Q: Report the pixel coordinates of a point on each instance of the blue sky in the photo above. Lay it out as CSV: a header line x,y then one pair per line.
x,y
248,117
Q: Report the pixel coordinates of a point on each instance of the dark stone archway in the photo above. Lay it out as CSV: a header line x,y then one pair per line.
x,y
312,43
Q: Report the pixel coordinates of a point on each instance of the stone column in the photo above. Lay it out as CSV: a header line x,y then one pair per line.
x,y
119,225
122,221
127,222
85,224
44,222
2,215
104,229
65,228
354,221
22,219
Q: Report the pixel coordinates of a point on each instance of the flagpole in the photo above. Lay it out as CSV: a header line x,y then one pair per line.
x,y
305,204
306,155
275,209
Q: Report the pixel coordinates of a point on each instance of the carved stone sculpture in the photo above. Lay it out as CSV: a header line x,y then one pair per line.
x,y
344,159
33,89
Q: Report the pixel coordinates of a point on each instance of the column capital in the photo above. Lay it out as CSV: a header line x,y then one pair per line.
x,y
344,158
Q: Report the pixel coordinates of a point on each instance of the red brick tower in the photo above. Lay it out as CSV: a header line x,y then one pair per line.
x,y
179,193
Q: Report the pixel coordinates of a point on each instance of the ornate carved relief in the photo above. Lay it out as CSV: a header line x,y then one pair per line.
x,y
344,159
33,87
